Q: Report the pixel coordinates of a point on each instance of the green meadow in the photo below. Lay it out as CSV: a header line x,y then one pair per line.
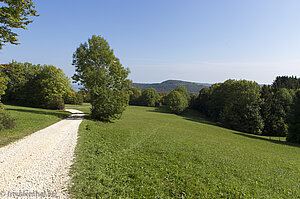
x,y
28,120
85,107
153,154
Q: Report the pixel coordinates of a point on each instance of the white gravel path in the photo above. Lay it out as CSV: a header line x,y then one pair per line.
x,y
38,165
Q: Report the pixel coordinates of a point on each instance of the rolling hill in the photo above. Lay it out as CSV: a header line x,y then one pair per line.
x,y
169,85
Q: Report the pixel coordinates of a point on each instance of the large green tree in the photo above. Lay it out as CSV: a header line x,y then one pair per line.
x,y
150,97
14,14
286,82
236,104
275,108
53,84
241,110
184,92
176,102
294,120
135,96
101,73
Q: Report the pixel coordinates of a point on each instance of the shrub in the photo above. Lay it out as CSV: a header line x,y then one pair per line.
x,y
54,102
108,104
6,122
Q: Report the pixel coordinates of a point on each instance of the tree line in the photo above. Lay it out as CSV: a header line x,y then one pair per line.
x,y
245,106
177,101
270,110
41,86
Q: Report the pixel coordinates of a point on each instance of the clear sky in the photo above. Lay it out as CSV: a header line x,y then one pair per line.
x,y
194,40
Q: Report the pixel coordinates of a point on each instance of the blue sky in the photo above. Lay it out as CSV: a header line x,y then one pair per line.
x,y
193,40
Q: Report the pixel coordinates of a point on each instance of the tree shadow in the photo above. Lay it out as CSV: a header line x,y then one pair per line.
x,y
267,139
61,115
189,114
76,116
195,116
161,109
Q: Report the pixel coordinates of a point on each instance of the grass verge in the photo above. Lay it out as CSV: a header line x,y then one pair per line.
x,y
150,154
28,120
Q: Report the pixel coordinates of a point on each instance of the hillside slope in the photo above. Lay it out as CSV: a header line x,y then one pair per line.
x,y
152,154
169,85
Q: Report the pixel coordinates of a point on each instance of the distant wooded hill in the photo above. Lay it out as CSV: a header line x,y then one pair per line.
x,y
169,85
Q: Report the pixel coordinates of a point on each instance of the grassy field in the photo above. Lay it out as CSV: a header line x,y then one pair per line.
x,y
29,120
150,154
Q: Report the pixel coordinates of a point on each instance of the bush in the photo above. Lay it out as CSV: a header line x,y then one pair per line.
x,y
176,102
6,122
108,104
54,102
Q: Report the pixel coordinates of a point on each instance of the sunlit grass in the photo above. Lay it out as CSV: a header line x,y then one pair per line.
x,y
149,154
28,120
85,107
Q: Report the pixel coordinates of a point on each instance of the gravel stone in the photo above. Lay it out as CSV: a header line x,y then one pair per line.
x,y
37,166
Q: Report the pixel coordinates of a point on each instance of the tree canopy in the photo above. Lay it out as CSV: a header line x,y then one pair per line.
x,y
105,79
236,104
176,102
135,96
150,97
294,120
14,14
286,82
35,85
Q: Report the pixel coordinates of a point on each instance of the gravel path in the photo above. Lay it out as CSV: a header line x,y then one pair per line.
x,y
38,165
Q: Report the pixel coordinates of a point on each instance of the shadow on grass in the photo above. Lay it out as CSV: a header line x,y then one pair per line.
x,y
195,116
61,115
76,116
190,115
267,139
